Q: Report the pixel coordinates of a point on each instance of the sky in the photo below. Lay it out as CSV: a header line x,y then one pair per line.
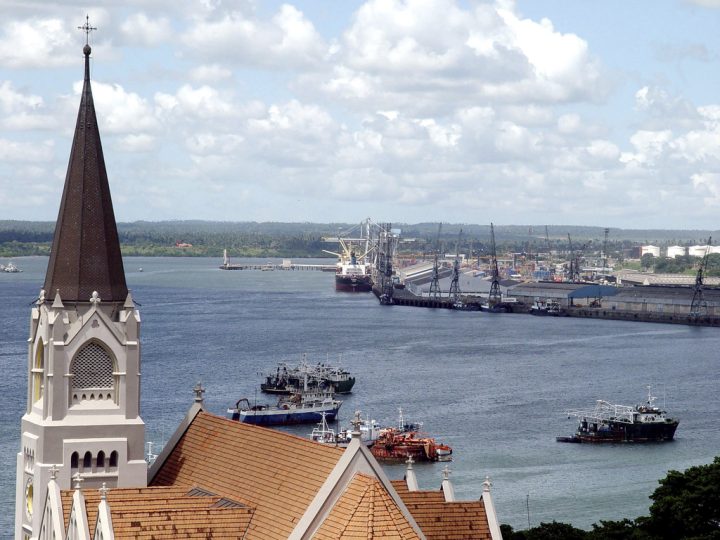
x,y
563,112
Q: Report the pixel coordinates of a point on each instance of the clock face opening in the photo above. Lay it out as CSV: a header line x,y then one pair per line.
x,y
29,497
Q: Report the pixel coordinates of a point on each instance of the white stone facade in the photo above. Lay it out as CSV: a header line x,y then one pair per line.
x,y
83,403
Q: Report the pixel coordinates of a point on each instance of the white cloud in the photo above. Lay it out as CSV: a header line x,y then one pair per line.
x,y
119,111
28,152
36,43
210,73
288,39
138,29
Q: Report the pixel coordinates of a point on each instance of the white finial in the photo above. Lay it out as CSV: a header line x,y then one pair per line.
x,y
446,473
487,484
77,480
410,478
41,298
356,425
447,487
95,298
103,491
53,472
199,391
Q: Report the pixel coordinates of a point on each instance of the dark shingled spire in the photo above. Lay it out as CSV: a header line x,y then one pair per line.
x,y
85,253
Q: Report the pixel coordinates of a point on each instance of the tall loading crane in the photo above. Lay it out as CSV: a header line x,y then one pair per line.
x,y
574,273
454,291
495,296
435,283
698,307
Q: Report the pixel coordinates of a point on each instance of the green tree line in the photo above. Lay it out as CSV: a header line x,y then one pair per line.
x,y
686,506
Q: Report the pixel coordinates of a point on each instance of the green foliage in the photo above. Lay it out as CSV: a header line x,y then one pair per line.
x,y
545,531
647,261
686,506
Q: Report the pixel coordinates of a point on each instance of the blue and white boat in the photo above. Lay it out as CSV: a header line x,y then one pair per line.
x,y
305,407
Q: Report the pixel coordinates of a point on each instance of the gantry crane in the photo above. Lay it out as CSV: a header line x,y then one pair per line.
x,y
495,296
454,291
698,306
435,283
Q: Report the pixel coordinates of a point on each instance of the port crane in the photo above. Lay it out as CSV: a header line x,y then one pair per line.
x,y
698,307
387,243
495,296
574,273
454,291
435,283
605,257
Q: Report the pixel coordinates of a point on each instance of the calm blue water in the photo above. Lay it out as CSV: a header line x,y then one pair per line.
x,y
494,387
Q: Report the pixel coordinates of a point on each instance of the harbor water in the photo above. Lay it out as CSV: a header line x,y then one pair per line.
x,y
494,387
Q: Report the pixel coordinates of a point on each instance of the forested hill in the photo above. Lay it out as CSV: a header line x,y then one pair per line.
x,y
276,239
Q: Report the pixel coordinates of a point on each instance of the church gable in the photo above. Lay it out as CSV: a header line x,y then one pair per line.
x,y
365,510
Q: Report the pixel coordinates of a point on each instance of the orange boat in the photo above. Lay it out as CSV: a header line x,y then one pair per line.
x,y
395,445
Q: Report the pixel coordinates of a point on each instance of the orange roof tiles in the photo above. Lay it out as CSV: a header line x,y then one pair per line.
x,y
365,510
440,520
276,474
166,513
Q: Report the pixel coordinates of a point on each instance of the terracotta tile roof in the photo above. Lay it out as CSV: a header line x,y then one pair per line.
x,y
166,513
440,520
275,473
365,510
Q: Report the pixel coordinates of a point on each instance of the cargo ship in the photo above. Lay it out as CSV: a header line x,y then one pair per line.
x,y
610,423
353,270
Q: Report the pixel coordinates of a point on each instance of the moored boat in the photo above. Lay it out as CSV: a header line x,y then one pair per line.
x,y
298,408
612,423
394,445
406,440
545,309
287,379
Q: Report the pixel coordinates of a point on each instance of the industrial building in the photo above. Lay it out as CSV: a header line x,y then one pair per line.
x,y
565,294
675,300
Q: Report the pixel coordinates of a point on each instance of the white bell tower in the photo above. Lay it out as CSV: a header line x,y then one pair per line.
x,y
82,417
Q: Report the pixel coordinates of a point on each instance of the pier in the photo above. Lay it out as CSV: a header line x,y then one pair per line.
x,y
285,265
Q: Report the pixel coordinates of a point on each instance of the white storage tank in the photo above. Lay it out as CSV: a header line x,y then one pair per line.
x,y
675,251
698,251
652,250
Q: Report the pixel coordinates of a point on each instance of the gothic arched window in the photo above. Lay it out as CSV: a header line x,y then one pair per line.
x,y
38,371
101,460
87,461
93,374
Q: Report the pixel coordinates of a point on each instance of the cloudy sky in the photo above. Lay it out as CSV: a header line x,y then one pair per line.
x,y
518,112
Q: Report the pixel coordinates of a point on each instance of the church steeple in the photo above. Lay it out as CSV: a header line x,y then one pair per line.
x,y
85,253
82,418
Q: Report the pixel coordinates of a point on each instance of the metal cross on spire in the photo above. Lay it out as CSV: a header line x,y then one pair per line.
x,y
87,29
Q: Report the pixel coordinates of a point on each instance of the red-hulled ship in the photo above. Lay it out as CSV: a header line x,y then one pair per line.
x,y
396,445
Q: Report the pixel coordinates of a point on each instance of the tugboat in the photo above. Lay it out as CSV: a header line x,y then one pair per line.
x,y
621,423
287,379
298,408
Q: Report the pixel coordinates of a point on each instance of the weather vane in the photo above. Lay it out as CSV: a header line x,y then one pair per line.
x,y
87,29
